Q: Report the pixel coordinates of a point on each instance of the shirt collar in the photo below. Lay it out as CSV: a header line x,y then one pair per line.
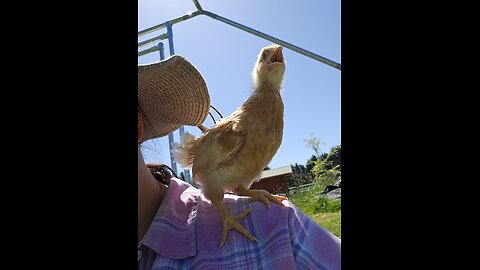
x,y
172,232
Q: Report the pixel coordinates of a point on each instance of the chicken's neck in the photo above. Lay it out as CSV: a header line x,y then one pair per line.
x,y
264,106
266,85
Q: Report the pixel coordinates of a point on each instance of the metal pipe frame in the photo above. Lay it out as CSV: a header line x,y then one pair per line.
x,y
234,24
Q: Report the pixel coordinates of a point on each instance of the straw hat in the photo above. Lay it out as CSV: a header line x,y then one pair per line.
x,y
171,93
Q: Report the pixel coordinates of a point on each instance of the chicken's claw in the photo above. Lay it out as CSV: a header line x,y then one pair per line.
x,y
260,195
228,222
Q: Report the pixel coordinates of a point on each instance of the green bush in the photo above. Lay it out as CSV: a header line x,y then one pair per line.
x,y
324,204
310,201
327,179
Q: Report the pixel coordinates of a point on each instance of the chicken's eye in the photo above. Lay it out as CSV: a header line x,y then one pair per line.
x,y
264,55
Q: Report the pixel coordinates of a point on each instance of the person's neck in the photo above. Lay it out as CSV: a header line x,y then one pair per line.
x,y
150,195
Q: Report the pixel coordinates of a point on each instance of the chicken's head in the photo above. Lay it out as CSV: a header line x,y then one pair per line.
x,y
270,67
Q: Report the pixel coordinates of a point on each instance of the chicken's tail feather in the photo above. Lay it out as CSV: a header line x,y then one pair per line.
x,y
183,152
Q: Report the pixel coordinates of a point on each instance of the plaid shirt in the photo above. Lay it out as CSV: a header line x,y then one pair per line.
x,y
187,230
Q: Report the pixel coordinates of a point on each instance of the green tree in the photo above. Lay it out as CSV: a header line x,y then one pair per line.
x,y
300,176
335,157
323,164
311,162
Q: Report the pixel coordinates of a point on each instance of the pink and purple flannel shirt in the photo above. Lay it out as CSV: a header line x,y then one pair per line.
x,y
187,230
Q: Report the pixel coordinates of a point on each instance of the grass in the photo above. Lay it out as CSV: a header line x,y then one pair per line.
x,y
326,212
329,221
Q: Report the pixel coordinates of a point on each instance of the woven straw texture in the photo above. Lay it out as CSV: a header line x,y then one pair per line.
x,y
171,93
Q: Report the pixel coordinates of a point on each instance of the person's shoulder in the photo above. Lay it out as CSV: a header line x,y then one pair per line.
x,y
179,186
180,198
179,183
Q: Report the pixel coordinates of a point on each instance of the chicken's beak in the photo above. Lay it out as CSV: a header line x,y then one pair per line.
x,y
276,59
277,56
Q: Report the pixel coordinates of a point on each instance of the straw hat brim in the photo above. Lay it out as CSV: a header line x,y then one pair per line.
x,y
171,93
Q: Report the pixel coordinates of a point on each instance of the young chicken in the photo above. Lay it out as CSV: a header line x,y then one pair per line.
x,y
231,155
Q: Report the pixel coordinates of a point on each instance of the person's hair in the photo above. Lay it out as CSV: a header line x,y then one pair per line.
x,y
161,172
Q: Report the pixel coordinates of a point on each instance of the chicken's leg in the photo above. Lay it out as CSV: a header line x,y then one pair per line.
x,y
260,195
229,222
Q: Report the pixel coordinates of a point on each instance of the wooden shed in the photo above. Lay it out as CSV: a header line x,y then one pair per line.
x,y
274,180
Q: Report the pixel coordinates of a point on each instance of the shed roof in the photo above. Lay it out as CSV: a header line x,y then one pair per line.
x,y
277,171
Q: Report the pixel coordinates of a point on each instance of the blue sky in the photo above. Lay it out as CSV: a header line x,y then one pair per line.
x,y
225,56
